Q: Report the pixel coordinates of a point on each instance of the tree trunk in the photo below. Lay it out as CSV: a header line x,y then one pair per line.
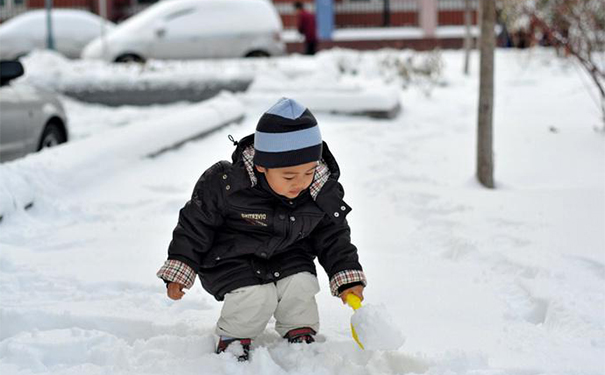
x,y
467,35
485,160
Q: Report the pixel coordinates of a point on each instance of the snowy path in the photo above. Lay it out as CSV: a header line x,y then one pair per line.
x,y
481,282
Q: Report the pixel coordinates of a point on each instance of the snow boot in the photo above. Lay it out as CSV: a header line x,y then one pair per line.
x,y
224,343
299,335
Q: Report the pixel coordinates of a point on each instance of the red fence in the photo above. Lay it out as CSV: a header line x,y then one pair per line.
x,y
347,13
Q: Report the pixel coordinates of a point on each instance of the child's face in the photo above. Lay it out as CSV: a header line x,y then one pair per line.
x,y
289,181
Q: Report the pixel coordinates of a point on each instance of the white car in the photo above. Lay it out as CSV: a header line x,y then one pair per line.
x,y
72,31
30,119
194,29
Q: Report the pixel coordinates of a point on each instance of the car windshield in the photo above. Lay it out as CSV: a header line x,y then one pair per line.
x,y
154,12
23,21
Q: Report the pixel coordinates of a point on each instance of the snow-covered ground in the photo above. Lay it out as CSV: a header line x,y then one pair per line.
x,y
384,33
507,281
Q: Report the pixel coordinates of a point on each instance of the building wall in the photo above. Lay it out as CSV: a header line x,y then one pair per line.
x,y
348,13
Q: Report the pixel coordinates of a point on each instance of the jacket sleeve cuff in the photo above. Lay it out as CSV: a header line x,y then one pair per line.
x,y
178,272
346,277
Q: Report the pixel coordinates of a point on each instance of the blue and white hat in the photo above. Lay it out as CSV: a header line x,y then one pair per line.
x,y
286,135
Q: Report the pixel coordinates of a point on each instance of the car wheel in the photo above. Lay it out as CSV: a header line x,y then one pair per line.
x,y
130,58
257,53
52,136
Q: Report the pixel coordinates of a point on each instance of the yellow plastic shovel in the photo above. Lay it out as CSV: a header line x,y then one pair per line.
x,y
355,303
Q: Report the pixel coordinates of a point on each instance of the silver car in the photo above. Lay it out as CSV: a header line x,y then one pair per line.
x,y
193,29
30,119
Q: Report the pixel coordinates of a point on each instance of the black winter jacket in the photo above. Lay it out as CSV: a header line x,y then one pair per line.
x,y
234,233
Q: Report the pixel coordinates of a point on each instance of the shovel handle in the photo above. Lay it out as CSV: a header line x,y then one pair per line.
x,y
353,301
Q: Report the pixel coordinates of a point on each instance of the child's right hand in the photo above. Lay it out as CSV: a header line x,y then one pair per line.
x,y
175,291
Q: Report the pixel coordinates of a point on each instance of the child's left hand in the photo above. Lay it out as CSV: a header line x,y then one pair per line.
x,y
357,290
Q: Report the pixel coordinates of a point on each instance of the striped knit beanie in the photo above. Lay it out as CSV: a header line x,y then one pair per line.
x,y
287,135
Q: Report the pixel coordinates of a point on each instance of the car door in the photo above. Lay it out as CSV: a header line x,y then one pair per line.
x,y
35,108
13,124
176,36
194,33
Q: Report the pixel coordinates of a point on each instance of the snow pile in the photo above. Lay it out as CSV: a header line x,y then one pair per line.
x,y
376,329
335,81
15,192
75,163
86,119
347,81
50,70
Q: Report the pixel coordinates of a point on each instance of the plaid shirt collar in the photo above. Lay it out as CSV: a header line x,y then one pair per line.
x,y
322,172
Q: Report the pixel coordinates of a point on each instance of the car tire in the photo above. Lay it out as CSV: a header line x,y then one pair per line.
x,y
258,53
129,58
52,135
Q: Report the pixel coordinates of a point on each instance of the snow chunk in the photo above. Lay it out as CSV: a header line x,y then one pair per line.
x,y
376,329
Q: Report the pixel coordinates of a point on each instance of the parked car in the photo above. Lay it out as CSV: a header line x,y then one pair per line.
x,y
194,29
30,119
72,30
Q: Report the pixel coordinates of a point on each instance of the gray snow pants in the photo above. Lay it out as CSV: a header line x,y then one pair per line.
x,y
246,311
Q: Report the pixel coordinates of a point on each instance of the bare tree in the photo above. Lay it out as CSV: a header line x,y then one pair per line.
x,y
467,35
575,27
485,160
578,27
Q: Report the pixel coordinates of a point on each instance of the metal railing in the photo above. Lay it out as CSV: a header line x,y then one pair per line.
x,y
376,13
347,13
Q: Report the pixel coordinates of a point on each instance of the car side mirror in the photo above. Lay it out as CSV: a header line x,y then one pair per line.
x,y
10,70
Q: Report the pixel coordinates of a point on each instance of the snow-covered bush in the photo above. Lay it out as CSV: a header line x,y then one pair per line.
x,y
405,68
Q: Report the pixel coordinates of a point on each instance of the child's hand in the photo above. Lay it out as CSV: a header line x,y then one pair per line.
x,y
175,291
357,290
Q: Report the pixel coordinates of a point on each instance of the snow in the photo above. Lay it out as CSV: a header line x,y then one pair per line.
x,y
483,282
376,329
32,22
52,71
323,82
23,182
72,30
384,33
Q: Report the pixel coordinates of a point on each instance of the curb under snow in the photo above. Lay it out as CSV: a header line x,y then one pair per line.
x,y
318,82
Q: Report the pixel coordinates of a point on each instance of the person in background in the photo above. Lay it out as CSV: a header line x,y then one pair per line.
x,y
306,26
